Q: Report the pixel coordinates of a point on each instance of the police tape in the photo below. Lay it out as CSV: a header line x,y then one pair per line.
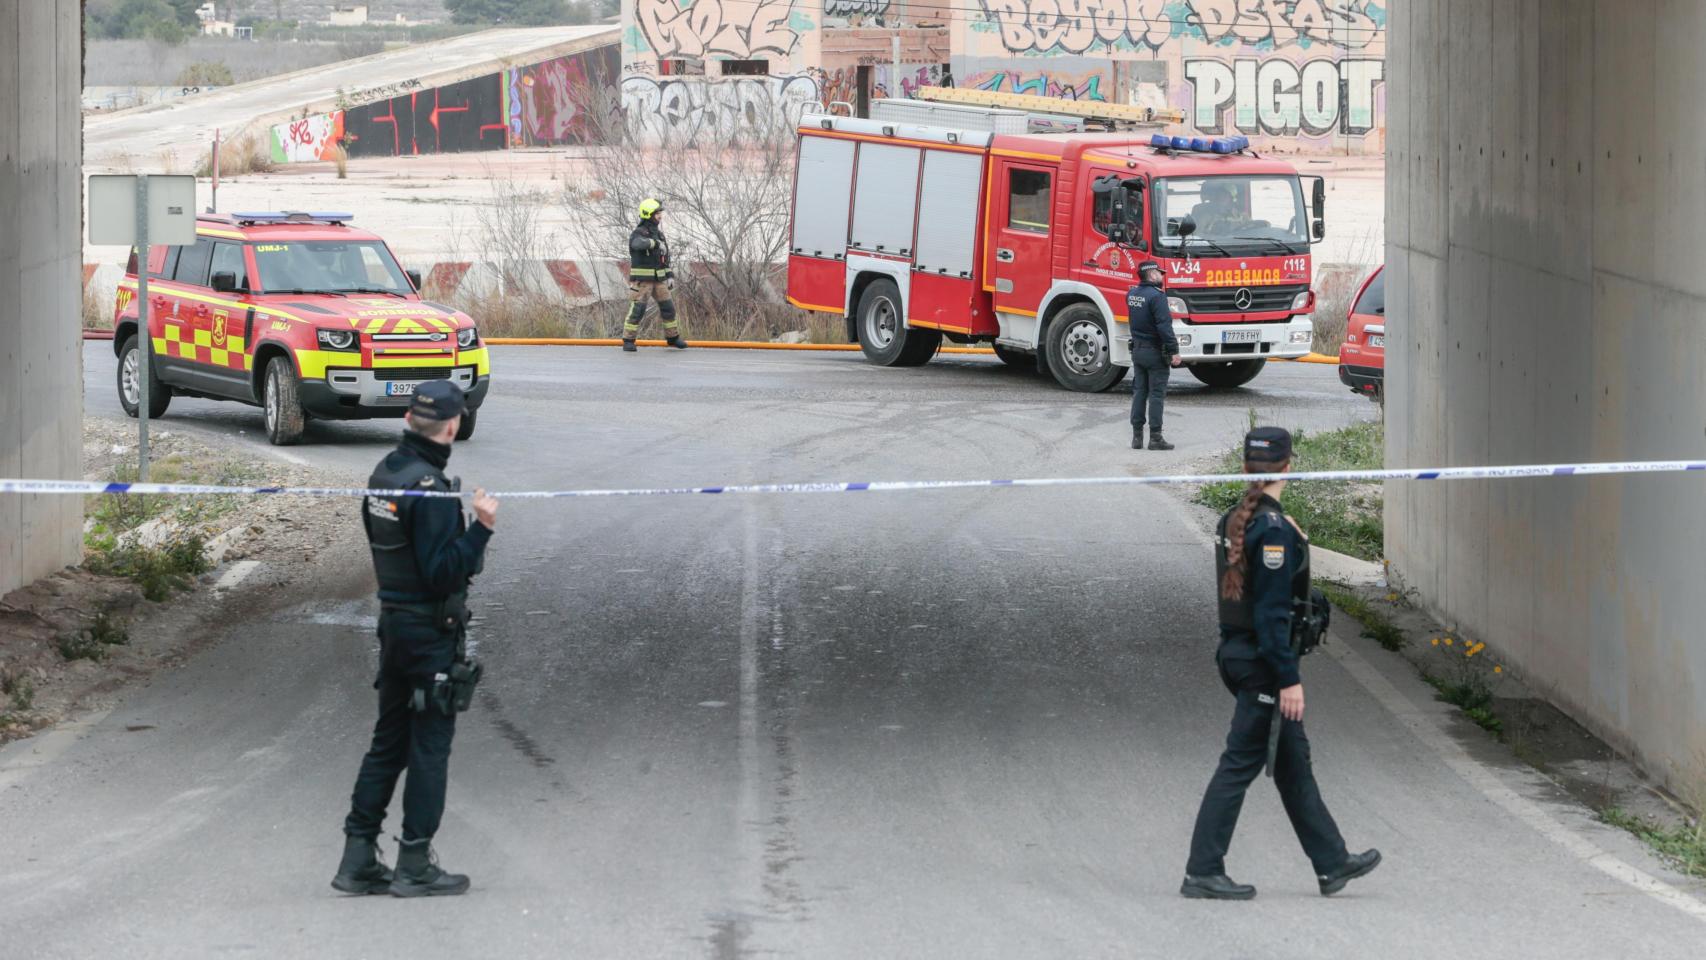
x,y
1514,472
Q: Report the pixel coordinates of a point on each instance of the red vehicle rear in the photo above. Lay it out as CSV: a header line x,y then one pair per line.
x,y
1362,359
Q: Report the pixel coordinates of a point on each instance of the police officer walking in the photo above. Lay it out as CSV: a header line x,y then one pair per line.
x,y
1262,568
649,275
1154,351
424,554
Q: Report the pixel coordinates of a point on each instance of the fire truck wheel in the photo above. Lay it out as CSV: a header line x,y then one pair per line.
x,y
882,327
1233,373
1017,359
465,429
130,383
1079,353
282,403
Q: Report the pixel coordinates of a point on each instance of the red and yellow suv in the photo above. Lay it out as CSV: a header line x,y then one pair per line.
x,y
298,313
1362,359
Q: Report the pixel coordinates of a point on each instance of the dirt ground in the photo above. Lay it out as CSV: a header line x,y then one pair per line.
x,y
76,608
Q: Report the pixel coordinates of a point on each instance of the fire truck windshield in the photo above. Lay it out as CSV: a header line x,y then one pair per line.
x,y
329,266
1236,215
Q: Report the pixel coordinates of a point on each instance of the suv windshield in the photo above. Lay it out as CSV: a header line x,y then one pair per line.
x,y
1248,214
329,266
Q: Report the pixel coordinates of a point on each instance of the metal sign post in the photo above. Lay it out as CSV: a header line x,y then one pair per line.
x,y
135,211
144,332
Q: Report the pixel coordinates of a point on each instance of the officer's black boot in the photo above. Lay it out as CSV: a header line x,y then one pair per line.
x,y
1356,865
628,345
361,870
677,342
1218,887
1137,438
1158,442
418,873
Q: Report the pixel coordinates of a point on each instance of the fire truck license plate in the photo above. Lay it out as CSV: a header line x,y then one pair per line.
x,y
401,389
1377,339
1240,336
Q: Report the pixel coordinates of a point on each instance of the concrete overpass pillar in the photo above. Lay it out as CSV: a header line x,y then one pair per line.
x,y
1545,223
41,222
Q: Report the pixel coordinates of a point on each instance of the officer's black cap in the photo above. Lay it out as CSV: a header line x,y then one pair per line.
x,y
1267,445
437,400
1147,266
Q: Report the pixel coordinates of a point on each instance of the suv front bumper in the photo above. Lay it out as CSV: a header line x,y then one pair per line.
x,y
360,394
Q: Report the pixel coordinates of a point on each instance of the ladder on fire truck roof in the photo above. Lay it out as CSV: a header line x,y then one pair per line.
x,y
1108,116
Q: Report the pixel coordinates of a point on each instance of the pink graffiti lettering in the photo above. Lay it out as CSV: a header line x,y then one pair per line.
x,y
743,29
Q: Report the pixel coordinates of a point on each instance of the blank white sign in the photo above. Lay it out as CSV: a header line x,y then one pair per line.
x,y
112,210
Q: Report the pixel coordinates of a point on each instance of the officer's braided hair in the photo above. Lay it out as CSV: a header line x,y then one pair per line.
x,y
1232,581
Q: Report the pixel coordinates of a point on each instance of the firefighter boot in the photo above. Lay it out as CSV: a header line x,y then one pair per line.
x,y
1158,442
361,870
1137,438
628,345
419,875
677,342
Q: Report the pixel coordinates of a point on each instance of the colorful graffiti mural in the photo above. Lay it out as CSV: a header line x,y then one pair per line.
x,y
1040,84
308,139
727,29
912,77
548,102
683,112
1290,74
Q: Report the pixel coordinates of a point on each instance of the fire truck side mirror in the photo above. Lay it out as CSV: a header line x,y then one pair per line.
x,y
1320,228
414,278
225,283
1187,225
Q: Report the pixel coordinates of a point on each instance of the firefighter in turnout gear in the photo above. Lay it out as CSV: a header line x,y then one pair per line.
x,y
649,275
424,555
1269,618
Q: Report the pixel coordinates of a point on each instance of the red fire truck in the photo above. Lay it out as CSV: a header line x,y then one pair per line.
x,y
947,220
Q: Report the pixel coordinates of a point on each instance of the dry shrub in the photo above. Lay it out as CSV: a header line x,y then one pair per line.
x,y
340,159
1336,285
247,154
96,313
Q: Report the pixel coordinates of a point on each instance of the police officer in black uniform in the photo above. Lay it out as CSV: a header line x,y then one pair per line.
x,y
425,554
1154,351
1267,618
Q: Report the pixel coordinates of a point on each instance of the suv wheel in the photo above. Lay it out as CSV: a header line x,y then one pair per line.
x,y
282,403
130,383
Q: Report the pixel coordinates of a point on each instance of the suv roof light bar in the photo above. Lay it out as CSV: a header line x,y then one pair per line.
x,y
293,216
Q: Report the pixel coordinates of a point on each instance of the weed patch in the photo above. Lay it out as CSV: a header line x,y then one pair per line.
x,y
1375,624
19,690
1684,845
160,570
1344,517
94,642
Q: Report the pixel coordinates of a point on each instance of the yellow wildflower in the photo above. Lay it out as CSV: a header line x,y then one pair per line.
x,y
1436,641
1448,641
1498,669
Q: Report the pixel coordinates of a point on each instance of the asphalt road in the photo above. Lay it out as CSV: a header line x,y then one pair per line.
x,y
865,725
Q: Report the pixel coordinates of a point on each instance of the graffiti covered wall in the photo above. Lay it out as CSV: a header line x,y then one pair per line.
x,y
783,32
1290,74
685,112
549,102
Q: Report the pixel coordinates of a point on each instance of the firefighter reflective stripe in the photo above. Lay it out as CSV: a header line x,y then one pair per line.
x,y
648,272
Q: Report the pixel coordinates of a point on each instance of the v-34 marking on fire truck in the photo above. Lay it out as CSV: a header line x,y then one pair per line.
x,y
298,313
955,228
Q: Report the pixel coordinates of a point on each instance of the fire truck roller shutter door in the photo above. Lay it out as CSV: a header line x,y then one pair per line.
x,y
885,200
824,195
947,212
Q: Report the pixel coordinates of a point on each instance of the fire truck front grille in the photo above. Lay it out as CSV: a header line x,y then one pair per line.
x,y
412,373
1224,299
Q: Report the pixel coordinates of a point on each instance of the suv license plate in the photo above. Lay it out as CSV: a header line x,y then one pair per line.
x,y
1240,336
401,389
1377,339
